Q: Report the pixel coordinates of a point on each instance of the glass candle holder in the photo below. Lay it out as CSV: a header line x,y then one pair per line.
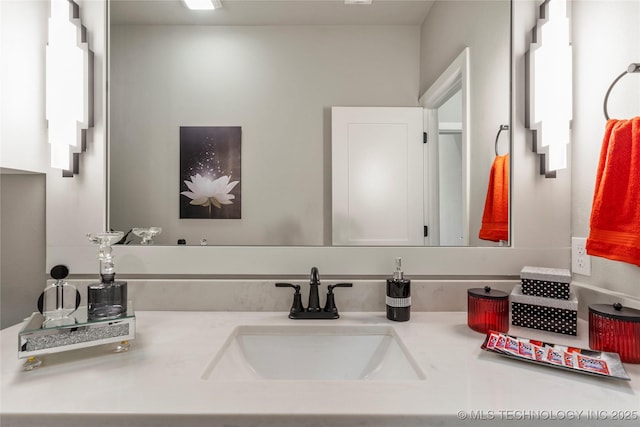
x,y
146,234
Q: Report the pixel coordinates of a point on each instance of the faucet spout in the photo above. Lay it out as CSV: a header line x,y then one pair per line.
x,y
314,299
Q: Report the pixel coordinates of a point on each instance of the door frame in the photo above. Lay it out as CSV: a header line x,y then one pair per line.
x,y
455,77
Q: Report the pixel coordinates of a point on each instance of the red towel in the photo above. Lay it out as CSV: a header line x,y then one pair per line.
x,y
495,219
615,215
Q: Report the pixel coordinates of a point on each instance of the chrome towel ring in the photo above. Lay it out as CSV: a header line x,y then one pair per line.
x,y
633,68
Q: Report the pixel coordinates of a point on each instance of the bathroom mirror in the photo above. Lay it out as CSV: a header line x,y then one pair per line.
x,y
274,69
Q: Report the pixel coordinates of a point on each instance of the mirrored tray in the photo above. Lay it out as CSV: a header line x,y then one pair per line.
x,y
34,339
580,360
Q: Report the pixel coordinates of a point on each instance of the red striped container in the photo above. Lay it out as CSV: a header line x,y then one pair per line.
x,y
614,328
487,309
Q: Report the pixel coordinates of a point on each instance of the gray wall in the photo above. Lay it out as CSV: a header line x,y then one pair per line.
x,y
23,147
22,242
483,26
278,83
606,39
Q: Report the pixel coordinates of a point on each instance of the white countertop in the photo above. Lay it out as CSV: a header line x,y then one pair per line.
x,y
158,382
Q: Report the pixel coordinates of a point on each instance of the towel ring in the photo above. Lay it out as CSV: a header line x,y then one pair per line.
x,y
502,127
633,68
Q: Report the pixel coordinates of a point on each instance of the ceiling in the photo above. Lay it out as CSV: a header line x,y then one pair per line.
x,y
271,12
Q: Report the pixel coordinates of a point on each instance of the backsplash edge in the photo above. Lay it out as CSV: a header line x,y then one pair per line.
x,y
364,296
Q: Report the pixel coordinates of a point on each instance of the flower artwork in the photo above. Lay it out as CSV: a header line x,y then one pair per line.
x,y
210,172
205,192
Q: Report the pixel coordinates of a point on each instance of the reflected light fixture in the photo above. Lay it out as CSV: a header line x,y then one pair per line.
x,y
358,1
69,86
549,86
203,4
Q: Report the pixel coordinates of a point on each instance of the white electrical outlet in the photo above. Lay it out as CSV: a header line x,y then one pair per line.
x,y
580,261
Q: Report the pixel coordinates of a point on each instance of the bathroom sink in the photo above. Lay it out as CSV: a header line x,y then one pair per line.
x,y
313,352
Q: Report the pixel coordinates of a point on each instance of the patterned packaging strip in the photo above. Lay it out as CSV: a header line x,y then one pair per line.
x,y
579,360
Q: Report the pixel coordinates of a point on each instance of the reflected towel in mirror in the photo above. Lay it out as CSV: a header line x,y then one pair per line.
x,y
495,219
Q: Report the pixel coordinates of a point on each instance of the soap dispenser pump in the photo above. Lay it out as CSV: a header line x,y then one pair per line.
x,y
398,295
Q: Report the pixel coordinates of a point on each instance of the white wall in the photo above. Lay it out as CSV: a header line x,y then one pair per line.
x,y
605,42
483,26
278,83
23,127
606,39
22,260
76,206
540,207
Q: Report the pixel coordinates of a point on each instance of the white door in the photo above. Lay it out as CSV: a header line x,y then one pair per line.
x,y
377,176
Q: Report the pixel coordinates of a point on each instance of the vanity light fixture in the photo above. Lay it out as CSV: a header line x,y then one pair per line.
x,y
358,2
548,89
69,86
203,4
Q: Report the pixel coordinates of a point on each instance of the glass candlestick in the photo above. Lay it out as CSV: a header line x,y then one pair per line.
x,y
146,234
107,299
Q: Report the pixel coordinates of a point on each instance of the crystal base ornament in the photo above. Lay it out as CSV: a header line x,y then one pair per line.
x,y
31,363
124,346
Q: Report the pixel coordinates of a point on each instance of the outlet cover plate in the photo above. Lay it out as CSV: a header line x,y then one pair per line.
x,y
580,261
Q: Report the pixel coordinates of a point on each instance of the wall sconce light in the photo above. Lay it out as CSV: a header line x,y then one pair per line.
x,y
69,86
549,86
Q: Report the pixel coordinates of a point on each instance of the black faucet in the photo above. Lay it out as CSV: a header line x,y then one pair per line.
x,y
313,311
314,282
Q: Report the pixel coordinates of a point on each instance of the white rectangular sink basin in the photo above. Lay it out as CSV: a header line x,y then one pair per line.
x,y
313,352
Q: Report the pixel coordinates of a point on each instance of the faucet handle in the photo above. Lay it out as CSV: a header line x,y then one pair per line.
x,y
339,285
288,285
330,305
297,306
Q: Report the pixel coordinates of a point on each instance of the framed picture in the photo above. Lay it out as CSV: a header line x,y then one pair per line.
x,y
210,185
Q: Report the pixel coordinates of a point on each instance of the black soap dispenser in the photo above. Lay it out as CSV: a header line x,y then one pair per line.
x,y
398,295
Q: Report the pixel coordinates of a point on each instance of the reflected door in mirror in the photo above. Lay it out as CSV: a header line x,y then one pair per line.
x,y
377,176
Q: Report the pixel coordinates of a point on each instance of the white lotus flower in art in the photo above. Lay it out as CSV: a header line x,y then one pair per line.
x,y
207,192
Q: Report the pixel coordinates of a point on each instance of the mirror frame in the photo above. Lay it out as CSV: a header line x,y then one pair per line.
x,y
546,243
118,219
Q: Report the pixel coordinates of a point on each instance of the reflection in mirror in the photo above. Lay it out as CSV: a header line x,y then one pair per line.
x,y
451,175
275,69
447,120
377,176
